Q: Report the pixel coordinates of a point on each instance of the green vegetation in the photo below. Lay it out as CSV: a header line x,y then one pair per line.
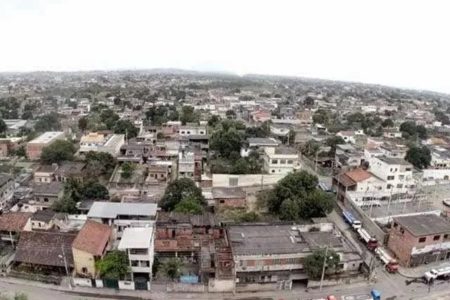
x,y
48,122
114,265
17,296
296,197
189,115
99,164
410,130
158,115
180,190
227,139
57,152
314,262
189,205
126,127
127,169
420,157
172,268
333,142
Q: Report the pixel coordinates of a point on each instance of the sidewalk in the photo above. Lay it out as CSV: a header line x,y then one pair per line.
x,y
418,272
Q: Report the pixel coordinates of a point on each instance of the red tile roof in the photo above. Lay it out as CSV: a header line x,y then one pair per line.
x,y
14,221
358,175
92,238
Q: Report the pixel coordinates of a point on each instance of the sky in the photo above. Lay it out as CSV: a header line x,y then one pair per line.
x,y
391,42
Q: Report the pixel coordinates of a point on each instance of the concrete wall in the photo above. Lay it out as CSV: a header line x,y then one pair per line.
x,y
223,180
83,260
218,286
126,285
86,282
186,287
433,174
334,282
367,222
257,287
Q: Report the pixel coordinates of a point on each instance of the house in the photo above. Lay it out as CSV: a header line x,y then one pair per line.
x,y
45,173
43,219
102,142
45,251
134,152
274,254
185,234
280,130
15,125
192,129
254,144
45,194
138,243
393,150
70,169
347,157
392,133
6,189
347,136
419,239
123,215
158,173
280,160
396,172
90,245
190,164
261,116
224,197
361,187
34,147
12,224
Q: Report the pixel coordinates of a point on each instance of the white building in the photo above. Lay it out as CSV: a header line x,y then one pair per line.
x,y
139,243
396,172
6,189
187,130
101,142
280,160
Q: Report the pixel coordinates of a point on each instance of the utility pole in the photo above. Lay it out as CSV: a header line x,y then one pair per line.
x,y
65,265
323,268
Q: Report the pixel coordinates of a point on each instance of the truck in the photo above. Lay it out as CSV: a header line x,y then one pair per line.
x,y
351,220
391,265
370,241
436,274
374,295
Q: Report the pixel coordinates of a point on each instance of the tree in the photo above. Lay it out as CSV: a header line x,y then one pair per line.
x,y
310,148
94,190
127,170
420,157
179,190
48,122
114,265
213,121
3,126
57,152
410,129
321,116
17,296
109,118
172,267
289,210
309,101
99,163
83,123
231,114
126,127
188,115
387,123
227,141
313,263
189,205
332,142
296,196
27,115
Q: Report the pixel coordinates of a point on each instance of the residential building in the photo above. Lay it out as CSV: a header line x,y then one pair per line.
x,y
396,172
280,130
393,150
276,253
139,243
102,142
280,160
192,129
419,239
6,190
34,147
254,144
45,251
224,197
90,245
45,194
12,224
42,219
45,173
70,169
123,215
347,157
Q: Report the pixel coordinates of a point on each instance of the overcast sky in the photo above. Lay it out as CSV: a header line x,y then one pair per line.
x,y
392,42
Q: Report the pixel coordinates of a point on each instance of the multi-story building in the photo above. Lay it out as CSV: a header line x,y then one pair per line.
x,y
139,245
396,172
45,194
420,239
123,215
276,253
280,160
192,129
102,142
34,147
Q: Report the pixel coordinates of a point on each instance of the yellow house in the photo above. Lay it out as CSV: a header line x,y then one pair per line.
x,y
89,246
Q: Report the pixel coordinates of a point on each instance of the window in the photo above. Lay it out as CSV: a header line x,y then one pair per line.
x,y
45,199
233,181
401,177
390,177
222,201
389,186
399,186
273,171
282,161
395,225
290,161
445,236
84,270
274,161
422,239
436,237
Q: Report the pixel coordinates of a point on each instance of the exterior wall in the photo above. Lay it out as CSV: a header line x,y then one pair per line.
x,y
436,174
34,151
6,193
43,177
230,203
280,163
221,285
278,262
38,225
405,245
398,177
84,260
228,180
